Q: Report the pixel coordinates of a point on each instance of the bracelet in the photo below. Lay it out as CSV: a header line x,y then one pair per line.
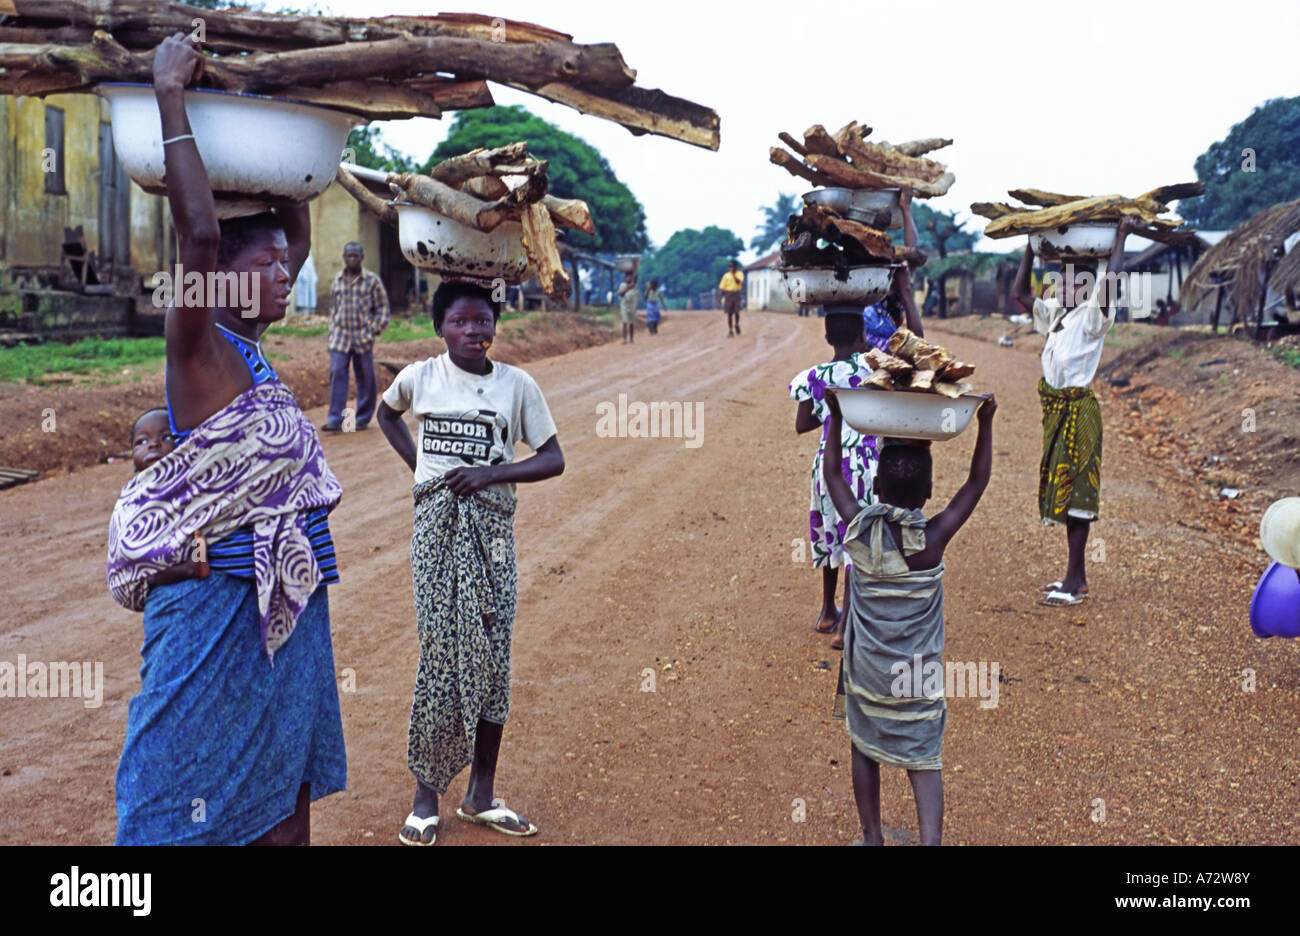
x,y
183,136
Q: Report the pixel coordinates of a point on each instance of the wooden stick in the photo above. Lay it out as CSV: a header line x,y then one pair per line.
x,y
792,143
1028,222
640,110
539,242
368,199
377,99
1045,199
793,166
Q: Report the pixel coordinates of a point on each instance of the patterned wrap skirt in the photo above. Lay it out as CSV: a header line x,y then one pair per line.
x,y
219,740
466,589
1069,476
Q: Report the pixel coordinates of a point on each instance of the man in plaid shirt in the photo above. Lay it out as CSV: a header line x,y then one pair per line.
x,y
358,315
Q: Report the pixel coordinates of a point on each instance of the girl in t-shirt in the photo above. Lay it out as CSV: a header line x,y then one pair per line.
x,y
469,411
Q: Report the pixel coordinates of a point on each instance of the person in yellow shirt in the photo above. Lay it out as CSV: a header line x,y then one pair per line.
x,y
732,282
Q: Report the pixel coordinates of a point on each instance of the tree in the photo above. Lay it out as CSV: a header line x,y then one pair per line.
x,y
772,231
577,170
1255,166
692,261
369,150
939,231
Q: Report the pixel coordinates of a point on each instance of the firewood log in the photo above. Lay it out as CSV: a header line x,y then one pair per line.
x,y
488,188
539,242
368,199
640,110
993,210
792,143
921,147
448,201
570,213
817,140
1029,222
458,169
887,160
793,166
1167,193
854,177
851,131
1039,197
828,224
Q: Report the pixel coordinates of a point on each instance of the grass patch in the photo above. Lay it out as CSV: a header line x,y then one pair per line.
x,y
87,356
1178,354
1288,356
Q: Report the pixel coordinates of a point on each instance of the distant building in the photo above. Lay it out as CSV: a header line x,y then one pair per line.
x,y
1168,266
765,287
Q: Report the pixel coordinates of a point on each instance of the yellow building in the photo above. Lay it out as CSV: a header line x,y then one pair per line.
x,y
58,171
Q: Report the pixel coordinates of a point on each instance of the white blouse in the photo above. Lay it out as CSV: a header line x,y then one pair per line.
x,y
1072,353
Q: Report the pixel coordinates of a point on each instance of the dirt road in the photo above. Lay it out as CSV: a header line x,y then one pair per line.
x,y
651,555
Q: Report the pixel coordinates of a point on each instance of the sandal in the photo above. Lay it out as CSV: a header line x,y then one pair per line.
x,y
1061,599
421,826
827,630
500,818
1056,586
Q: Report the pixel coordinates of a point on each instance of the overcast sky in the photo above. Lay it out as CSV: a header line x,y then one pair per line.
x,y
1086,98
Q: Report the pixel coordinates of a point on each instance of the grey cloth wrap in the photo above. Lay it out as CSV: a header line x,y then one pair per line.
x,y
894,616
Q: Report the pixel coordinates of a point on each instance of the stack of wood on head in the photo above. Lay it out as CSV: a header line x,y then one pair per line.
x,y
1050,211
382,69
913,363
483,188
847,160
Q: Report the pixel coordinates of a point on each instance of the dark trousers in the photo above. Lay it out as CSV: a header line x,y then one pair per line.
x,y
363,365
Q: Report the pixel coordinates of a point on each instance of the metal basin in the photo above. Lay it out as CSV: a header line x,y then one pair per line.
x,y
435,242
877,208
817,286
907,414
255,148
1075,240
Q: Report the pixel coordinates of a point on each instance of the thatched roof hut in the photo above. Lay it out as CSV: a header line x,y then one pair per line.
x,y
1240,266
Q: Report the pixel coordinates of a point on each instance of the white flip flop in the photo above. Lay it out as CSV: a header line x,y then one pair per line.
x,y
492,819
421,826
1056,586
1061,599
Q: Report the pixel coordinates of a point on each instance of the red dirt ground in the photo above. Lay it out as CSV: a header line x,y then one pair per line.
x,y
646,554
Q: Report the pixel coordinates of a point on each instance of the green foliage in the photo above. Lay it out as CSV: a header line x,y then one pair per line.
x,y
692,261
372,152
938,230
1232,194
772,231
577,170
975,263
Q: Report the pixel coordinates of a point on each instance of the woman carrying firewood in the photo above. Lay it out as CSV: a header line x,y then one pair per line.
x,y
1076,323
471,412
236,728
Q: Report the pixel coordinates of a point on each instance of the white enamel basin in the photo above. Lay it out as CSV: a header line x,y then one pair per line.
x,y
907,414
819,285
435,242
1077,240
255,148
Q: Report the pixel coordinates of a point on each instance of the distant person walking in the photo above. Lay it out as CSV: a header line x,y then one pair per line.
x,y
732,282
627,306
653,304
358,315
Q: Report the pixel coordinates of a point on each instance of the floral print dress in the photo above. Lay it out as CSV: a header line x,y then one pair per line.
x,y
858,465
